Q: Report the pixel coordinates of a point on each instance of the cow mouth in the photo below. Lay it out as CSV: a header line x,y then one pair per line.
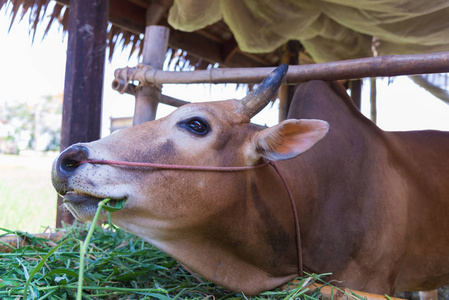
x,y
74,200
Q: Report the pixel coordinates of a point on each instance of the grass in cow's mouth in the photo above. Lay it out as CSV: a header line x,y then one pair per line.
x,y
112,205
119,266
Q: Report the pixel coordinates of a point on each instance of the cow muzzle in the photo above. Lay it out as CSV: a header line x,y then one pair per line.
x,y
80,193
65,166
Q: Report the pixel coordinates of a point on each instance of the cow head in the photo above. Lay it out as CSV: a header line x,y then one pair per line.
x,y
207,220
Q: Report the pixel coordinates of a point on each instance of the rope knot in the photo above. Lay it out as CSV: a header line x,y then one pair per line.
x,y
129,75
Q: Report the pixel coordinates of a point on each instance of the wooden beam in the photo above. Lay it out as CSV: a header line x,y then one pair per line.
x,y
199,46
142,3
83,86
127,15
156,11
290,55
229,50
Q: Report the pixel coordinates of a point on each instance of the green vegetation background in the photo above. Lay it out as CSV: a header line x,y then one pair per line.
x,y
27,197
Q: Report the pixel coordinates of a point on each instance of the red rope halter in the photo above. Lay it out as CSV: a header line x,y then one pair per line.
x,y
220,169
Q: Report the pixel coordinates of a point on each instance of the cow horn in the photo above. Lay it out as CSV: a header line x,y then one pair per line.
x,y
255,101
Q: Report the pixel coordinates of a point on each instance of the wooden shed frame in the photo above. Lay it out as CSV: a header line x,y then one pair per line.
x,y
88,21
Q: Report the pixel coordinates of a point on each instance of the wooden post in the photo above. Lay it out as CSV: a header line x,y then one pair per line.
x,y
83,87
356,92
290,56
148,97
373,98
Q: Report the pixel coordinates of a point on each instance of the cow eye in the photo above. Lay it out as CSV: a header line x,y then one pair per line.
x,y
196,125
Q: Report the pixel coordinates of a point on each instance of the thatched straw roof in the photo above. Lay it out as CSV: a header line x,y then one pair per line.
x,y
38,11
47,12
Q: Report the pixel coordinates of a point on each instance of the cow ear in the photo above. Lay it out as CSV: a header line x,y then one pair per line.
x,y
289,138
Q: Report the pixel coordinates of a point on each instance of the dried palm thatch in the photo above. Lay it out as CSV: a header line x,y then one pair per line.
x,y
49,12
38,11
38,15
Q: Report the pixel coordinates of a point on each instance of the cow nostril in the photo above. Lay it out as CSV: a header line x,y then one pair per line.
x,y
69,165
70,159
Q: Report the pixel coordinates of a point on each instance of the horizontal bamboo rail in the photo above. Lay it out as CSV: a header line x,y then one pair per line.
x,y
16,241
391,65
131,90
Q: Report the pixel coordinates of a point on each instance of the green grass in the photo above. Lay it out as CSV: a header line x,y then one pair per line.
x,y
27,197
118,266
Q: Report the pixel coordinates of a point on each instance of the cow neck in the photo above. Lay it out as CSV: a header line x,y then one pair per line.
x,y
222,169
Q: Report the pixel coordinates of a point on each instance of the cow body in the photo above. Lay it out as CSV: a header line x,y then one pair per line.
x,y
377,215
372,205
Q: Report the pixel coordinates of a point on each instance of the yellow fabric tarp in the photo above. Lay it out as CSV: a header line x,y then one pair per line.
x,y
329,30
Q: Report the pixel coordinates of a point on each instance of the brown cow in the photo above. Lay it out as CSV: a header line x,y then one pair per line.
x,y
373,206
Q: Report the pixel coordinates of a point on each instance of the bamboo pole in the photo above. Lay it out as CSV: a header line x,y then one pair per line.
x,y
131,90
148,97
391,65
356,92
